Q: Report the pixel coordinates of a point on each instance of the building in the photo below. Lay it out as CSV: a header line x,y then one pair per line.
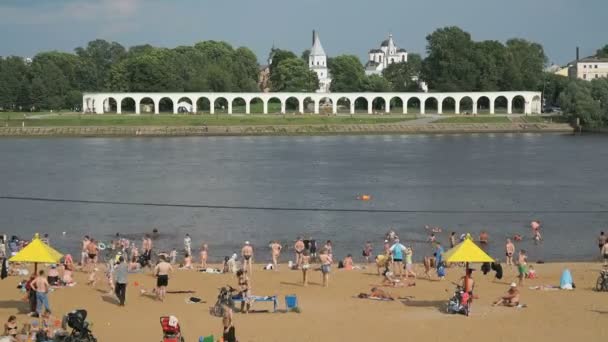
x,y
387,54
557,69
264,72
317,62
589,68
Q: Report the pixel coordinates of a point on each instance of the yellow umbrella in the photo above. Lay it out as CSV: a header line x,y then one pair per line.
x,y
467,251
37,252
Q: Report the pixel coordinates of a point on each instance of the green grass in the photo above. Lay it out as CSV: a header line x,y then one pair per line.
x,y
72,119
474,119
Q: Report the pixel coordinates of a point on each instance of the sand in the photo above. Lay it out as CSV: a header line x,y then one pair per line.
x,y
333,314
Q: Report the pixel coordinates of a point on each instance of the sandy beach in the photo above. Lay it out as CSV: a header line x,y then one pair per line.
x,y
333,314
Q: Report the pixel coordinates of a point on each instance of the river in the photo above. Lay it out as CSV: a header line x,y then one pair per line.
x,y
462,183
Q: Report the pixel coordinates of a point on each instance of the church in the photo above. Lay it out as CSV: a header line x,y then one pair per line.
x,y
317,62
387,54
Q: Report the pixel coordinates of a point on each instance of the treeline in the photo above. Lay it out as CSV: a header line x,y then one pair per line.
x,y
454,62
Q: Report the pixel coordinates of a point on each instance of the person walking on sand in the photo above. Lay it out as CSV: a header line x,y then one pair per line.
x,y
92,251
326,261
522,266
83,254
41,286
299,248
305,267
247,254
397,250
188,244
275,248
509,251
409,265
367,251
161,271
204,255
120,274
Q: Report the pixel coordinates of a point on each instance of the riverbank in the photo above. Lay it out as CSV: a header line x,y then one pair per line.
x,y
253,130
334,313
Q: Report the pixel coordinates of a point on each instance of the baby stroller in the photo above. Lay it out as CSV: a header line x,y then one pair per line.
x,y
171,329
80,327
460,303
224,298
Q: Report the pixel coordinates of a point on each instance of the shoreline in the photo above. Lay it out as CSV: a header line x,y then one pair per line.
x,y
284,130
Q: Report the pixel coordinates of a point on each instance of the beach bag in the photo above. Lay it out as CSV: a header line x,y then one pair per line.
x,y
441,271
565,282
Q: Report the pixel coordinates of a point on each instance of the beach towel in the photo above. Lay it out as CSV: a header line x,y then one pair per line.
x,y
566,282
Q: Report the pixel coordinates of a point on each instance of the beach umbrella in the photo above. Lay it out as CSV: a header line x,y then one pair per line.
x,y
37,252
467,251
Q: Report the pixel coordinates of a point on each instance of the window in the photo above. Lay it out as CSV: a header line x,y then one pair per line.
x,y
596,66
597,76
584,76
403,58
585,66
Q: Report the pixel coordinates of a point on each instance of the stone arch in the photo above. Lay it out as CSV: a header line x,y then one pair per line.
x,y
378,104
343,105
466,105
361,104
395,104
518,105
256,105
537,105
238,105
308,105
431,105
220,105
501,105
166,105
325,105
483,105
184,105
110,105
413,105
127,105
147,105
292,104
448,105
203,105
274,105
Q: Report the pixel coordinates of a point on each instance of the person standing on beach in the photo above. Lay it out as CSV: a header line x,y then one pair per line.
x,y
247,254
601,241
604,252
409,265
146,247
161,271
83,254
120,275
92,251
522,266
397,250
275,248
188,244
329,248
305,267
326,261
509,251
453,241
204,255
41,286
299,248
367,251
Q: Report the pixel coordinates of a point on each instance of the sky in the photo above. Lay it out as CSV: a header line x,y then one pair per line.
x,y
345,26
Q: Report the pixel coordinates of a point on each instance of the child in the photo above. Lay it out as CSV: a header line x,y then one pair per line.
x,y
92,277
173,256
226,268
10,327
305,266
531,272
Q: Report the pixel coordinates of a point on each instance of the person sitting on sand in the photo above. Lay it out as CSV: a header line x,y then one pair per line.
x,y
390,279
348,262
376,293
511,298
53,276
10,327
187,263
134,266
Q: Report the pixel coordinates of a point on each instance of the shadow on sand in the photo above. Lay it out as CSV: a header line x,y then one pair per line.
x,y
21,306
439,305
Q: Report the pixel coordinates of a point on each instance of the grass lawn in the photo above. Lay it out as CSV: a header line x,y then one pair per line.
x,y
474,119
73,119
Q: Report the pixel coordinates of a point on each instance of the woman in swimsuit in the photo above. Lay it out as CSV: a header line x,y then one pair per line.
x,y
305,267
245,290
10,327
204,255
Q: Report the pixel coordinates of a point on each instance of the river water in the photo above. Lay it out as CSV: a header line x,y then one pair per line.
x,y
463,183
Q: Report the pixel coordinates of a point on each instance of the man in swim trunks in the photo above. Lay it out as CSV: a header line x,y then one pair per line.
x,y
83,256
92,251
509,251
522,266
299,248
397,250
275,248
511,298
367,251
601,241
161,271
326,261
247,254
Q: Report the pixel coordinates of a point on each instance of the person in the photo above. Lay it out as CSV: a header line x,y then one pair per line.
x,y
188,244
432,238
305,266
146,247
468,283
53,276
92,280
511,298
601,241
299,248
204,255
386,248
31,296
187,263
531,272
376,293
46,239
228,334
247,254
484,238
409,265
439,257
83,254
134,266
497,267
509,251
173,256
275,248
245,290
604,252
329,248
453,241
41,286
68,269
348,262
391,235
397,250
313,248
522,262
161,271
120,274
92,251
428,262
326,262
367,251
10,327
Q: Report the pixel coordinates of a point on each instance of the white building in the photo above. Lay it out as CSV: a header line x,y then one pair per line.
x,y
387,54
317,62
589,68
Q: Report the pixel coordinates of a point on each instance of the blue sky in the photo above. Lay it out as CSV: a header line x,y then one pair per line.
x,y
345,26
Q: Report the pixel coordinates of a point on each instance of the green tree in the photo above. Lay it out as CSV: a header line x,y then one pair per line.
x,y
403,76
305,55
524,65
577,102
347,73
603,52
376,84
490,58
279,56
13,81
293,75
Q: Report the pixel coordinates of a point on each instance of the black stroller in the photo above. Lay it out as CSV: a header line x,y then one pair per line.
x,y
80,327
224,298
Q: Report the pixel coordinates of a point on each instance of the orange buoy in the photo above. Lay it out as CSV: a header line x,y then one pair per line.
x,y
365,197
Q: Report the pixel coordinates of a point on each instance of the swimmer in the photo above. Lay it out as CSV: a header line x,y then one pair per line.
x,y
484,238
433,229
517,237
432,238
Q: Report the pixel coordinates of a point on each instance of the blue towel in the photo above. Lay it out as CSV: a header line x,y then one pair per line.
x,y
566,278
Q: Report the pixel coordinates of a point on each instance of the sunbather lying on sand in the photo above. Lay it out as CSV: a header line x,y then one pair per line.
x,y
376,293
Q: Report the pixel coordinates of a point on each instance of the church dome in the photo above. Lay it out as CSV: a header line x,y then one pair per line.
x,y
384,43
